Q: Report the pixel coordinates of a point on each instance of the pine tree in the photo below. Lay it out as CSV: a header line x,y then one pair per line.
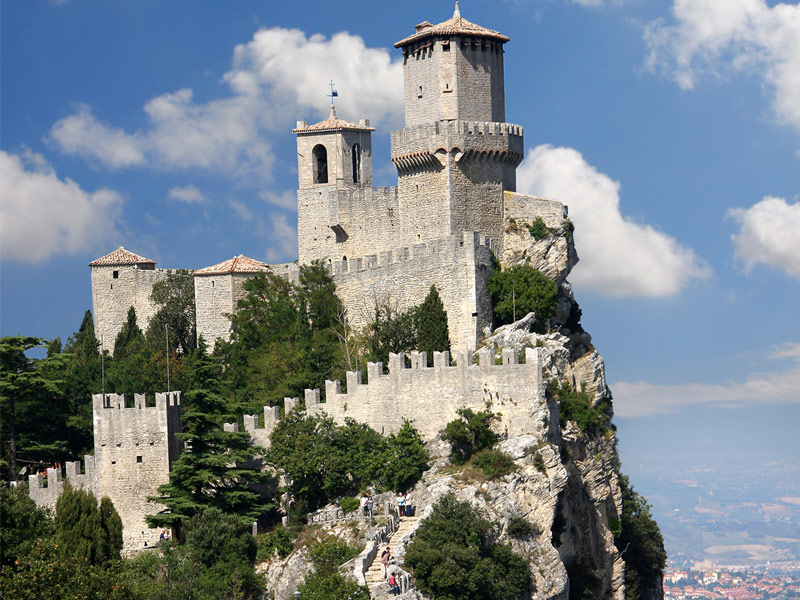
x,y
433,334
82,530
214,469
130,338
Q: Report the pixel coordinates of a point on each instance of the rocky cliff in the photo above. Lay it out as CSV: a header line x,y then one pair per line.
x,y
566,482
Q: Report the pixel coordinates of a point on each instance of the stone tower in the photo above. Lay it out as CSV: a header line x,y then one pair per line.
x,y
334,165
456,155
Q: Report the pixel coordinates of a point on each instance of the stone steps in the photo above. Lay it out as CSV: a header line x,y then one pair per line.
x,y
375,573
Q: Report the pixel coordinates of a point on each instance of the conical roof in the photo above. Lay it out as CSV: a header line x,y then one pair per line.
x,y
120,257
333,123
456,25
237,264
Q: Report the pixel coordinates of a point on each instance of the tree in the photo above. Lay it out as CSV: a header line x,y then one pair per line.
x,y
640,543
470,433
453,558
390,330
130,339
30,407
82,530
21,523
431,319
521,289
331,587
174,297
406,458
216,468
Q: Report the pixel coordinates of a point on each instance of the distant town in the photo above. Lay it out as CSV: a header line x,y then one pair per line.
x,y
733,583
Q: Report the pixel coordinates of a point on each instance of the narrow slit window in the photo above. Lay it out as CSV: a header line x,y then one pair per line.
x,y
320,158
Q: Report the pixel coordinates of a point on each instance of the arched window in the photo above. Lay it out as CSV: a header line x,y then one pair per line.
x,y
356,163
320,164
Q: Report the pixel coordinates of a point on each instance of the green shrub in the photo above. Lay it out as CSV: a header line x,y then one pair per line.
x,y
577,406
327,554
494,463
470,433
348,504
280,540
452,557
538,229
520,527
331,587
538,463
519,290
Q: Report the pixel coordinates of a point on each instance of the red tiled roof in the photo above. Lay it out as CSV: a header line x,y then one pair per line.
x,y
333,123
120,256
237,264
457,25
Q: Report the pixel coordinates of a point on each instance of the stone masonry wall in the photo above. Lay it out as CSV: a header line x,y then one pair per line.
x,y
113,296
455,264
429,396
134,451
134,448
213,299
367,216
523,207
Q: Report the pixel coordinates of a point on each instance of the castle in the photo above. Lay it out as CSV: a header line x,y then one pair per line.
x,y
455,199
456,164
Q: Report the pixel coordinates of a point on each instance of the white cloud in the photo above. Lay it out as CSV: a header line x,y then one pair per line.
x,y
43,216
720,36
276,79
769,234
286,199
187,193
641,399
618,257
283,239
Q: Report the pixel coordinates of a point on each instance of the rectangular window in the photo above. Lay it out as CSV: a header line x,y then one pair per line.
x,y
138,459
116,274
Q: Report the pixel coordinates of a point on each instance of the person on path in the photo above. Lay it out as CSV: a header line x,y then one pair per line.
x,y
386,555
401,504
394,584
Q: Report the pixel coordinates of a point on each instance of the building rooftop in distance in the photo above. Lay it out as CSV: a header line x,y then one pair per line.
x,y
332,123
237,264
120,256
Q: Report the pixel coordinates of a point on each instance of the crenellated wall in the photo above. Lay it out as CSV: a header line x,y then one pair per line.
x,y
134,448
458,265
428,396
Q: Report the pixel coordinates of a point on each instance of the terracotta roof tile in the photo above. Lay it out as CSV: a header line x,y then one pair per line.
x,y
120,256
456,25
237,264
333,123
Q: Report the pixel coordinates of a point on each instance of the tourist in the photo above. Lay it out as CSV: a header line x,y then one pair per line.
x,y
393,584
386,555
401,504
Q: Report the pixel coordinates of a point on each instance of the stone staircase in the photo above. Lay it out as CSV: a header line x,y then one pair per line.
x,y
375,574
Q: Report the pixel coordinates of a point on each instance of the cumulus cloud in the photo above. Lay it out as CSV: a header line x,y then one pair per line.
x,y
716,37
283,239
641,399
187,193
618,256
275,79
43,216
769,234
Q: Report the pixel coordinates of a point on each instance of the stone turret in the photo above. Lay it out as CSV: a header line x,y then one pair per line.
x,y
456,157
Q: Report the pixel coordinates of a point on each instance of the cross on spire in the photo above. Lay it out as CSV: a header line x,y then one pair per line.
x,y
333,94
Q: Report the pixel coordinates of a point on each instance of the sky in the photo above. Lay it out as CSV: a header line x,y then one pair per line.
x,y
670,129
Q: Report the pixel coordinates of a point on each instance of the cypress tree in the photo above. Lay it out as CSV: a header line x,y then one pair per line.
x,y
82,530
432,331
130,338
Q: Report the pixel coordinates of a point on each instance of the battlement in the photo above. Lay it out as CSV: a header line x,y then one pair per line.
x,y
45,490
426,131
163,401
427,395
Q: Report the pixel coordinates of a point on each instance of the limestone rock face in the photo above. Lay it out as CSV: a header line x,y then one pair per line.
x,y
283,575
554,254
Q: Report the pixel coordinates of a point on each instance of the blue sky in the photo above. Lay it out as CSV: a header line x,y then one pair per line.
x,y
671,129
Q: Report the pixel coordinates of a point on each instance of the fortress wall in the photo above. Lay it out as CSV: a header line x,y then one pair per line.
x,y
213,298
476,135
429,396
367,216
421,68
113,296
523,207
134,449
45,491
455,264
479,68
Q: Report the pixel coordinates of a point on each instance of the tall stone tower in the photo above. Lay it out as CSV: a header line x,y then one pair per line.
x,y
334,165
456,155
